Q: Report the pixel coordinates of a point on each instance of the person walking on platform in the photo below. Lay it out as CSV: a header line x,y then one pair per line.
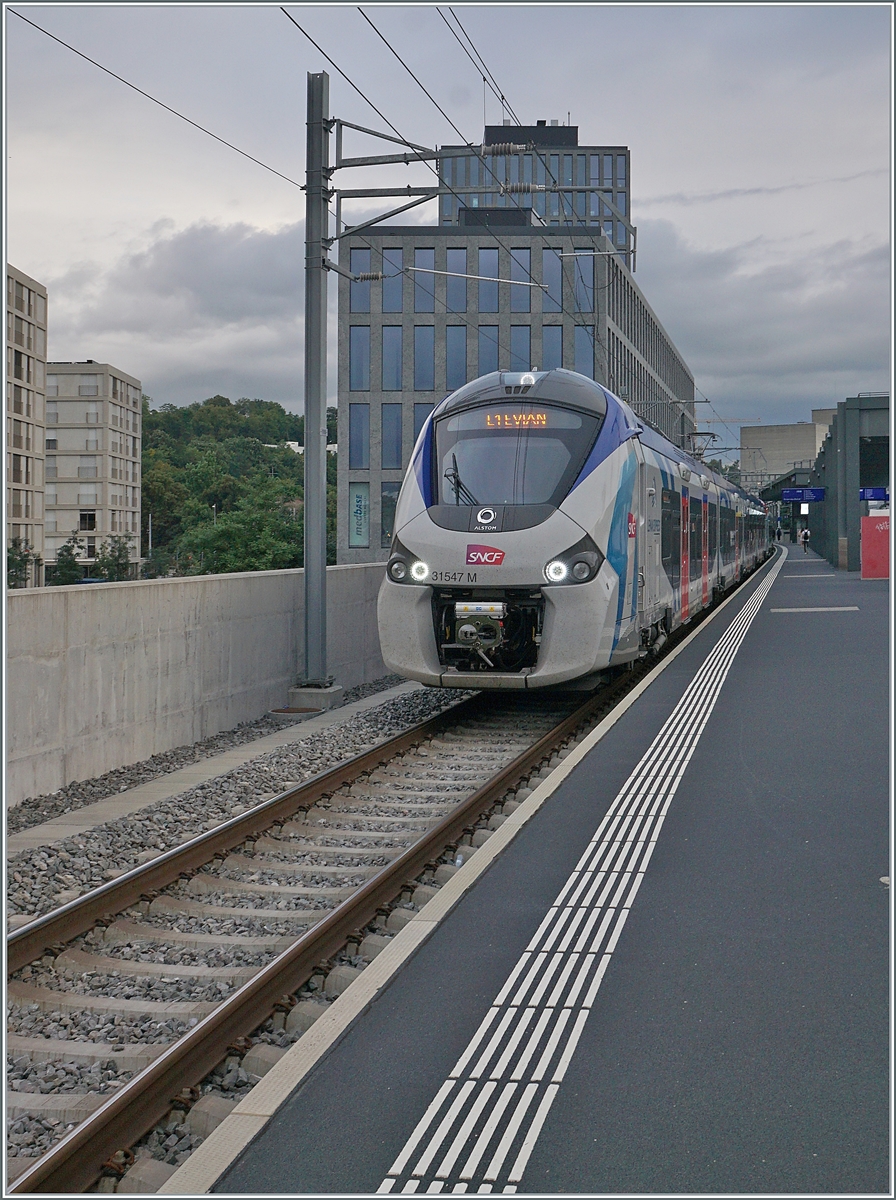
x,y
778,534
804,538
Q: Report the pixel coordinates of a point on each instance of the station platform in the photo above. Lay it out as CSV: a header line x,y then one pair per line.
x,y
673,979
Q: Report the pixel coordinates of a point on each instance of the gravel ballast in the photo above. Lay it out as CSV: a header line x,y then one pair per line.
x,y
37,809
43,878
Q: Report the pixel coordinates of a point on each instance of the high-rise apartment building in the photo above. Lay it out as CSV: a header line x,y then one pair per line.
x,y
510,279
26,358
93,445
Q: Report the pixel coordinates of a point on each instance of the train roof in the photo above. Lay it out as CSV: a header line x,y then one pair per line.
x,y
562,386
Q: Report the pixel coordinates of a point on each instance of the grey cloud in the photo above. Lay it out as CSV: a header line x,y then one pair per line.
x,y
686,198
194,279
800,333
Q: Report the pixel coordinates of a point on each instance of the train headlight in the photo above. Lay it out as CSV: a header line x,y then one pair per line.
x,y
419,571
579,564
398,571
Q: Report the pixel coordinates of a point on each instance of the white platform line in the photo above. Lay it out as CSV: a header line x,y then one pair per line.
x,y
482,1142
463,1134
510,1131
516,1171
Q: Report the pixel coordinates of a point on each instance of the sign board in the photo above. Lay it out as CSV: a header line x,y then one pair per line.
x,y
802,495
874,493
875,547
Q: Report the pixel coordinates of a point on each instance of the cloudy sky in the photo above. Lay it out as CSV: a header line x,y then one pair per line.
x,y
759,141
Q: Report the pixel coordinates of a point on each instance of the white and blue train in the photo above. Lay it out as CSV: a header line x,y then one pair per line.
x,y
545,533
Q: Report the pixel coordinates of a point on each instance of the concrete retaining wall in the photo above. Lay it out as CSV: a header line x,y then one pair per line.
x,y
106,674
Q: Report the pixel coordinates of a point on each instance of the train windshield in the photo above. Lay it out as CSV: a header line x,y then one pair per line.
x,y
511,453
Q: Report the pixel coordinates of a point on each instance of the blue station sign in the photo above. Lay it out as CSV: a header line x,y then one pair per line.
x,y
874,493
802,495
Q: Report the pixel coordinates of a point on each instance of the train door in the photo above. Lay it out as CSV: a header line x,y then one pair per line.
x,y
685,556
704,551
649,535
713,545
670,543
738,541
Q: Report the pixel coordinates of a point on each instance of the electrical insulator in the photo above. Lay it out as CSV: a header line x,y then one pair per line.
x,y
504,148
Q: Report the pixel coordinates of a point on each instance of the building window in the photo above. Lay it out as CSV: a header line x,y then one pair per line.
x,y
52,443
50,468
584,350
488,290
620,170
359,515
552,267
551,347
455,356
424,358
393,284
52,412
391,358
520,347
607,178
391,437
424,282
388,499
488,349
421,412
86,520
359,293
88,386
520,270
52,385
584,269
456,288
92,416
359,358
359,437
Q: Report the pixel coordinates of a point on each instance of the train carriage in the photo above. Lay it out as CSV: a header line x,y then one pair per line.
x,y
544,532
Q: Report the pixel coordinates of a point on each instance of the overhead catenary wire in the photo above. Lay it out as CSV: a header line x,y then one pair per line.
x,y
563,202
155,100
480,63
576,318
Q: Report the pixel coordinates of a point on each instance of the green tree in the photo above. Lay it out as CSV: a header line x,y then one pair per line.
x,y
113,558
67,569
262,532
20,557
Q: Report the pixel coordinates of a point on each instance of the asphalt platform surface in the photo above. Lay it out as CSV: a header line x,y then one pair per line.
x,y
739,1041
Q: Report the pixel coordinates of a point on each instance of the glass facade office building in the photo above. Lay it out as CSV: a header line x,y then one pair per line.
x,y
520,281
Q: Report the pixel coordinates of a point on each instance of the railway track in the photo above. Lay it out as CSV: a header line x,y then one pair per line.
x,y
314,881
226,948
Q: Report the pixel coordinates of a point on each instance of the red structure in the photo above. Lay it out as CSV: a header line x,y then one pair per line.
x,y
876,547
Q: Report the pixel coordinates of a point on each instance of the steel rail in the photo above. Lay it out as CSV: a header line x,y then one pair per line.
x,y
28,943
76,1161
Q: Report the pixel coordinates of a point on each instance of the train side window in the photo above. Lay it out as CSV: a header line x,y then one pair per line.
x,y
695,523
713,519
727,532
670,540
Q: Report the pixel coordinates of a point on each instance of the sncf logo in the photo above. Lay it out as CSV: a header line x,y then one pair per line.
x,y
488,556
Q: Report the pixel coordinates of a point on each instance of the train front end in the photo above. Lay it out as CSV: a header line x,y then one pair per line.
x,y
497,577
